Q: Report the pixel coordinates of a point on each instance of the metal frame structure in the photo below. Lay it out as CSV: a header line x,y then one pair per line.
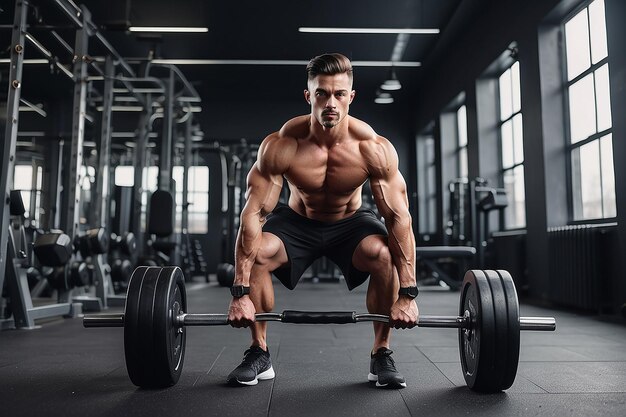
x,y
69,219
10,135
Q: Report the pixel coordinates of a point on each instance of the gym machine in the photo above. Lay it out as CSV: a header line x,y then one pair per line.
x,y
471,203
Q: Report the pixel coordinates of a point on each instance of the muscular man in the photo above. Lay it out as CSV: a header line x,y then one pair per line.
x,y
325,156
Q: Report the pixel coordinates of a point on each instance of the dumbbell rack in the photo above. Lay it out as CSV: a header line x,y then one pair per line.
x,y
22,308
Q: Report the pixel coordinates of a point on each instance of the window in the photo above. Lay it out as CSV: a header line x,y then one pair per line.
x,y
461,130
589,105
31,191
197,193
197,197
426,185
512,146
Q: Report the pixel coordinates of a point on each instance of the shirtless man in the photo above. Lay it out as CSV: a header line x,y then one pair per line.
x,y
325,156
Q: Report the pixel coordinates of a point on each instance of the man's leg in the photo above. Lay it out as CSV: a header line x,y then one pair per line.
x,y
372,255
271,256
256,364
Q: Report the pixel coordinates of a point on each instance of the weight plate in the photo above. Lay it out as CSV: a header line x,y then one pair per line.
x,y
134,355
513,337
169,340
154,346
476,343
493,381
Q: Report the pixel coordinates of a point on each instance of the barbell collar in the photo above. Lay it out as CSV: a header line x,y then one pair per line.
x,y
537,323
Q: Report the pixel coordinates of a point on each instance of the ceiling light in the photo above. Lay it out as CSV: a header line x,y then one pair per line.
x,y
392,83
26,61
383,98
368,30
168,29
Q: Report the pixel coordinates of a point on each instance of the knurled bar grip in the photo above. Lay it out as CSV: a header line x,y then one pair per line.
x,y
322,317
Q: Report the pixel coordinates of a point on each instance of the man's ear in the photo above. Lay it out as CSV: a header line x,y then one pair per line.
x,y
352,94
307,96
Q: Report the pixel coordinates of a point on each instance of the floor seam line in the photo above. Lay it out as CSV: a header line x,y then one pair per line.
x,y
405,404
440,371
210,368
269,404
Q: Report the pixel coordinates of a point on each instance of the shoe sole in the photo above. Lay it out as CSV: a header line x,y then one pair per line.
x,y
269,374
374,378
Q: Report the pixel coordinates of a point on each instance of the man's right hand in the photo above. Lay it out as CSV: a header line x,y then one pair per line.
x,y
241,312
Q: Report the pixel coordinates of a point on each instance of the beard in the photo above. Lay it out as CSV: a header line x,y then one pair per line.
x,y
332,122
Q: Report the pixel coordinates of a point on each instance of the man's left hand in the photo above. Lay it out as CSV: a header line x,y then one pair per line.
x,y
404,313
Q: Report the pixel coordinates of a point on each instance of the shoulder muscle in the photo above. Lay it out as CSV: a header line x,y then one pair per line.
x,y
275,154
380,157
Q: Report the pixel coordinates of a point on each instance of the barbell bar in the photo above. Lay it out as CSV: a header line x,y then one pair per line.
x,y
448,322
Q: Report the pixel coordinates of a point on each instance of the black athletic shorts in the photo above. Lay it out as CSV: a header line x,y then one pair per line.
x,y
306,240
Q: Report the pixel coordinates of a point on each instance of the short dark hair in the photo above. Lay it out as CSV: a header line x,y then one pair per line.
x,y
329,64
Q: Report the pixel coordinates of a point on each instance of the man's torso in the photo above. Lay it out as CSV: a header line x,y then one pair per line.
x,y
326,178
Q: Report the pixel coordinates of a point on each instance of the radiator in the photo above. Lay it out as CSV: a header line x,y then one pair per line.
x,y
575,266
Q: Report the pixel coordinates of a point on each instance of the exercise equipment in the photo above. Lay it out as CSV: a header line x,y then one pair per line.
x,y
431,256
155,318
471,203
225,274
56,248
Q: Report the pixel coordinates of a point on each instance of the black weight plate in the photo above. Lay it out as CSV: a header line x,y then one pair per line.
x,y
476,344
134,355
493,380
169,340
514,329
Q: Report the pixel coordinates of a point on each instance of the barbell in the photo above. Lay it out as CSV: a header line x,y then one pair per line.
x,y
155,318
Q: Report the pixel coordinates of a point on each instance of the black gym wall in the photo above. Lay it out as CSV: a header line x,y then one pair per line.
x,y
476,37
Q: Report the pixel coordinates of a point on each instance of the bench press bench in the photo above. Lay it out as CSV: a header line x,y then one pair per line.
x,y
430,254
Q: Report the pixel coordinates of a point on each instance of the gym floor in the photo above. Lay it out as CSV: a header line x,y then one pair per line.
x,y
64,369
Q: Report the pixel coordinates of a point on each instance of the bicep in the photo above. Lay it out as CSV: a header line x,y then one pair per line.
x,y
390,194
263,191
388,185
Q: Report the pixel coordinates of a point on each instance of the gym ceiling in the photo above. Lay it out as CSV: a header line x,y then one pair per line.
x,y
244,31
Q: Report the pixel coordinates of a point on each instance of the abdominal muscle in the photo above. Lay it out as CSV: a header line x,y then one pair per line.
x,y
323,205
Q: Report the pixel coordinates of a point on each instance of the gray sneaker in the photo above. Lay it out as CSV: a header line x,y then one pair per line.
x,y
383,370
256,365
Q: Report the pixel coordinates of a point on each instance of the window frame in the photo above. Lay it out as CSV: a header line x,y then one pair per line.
x,y
502,170
570,147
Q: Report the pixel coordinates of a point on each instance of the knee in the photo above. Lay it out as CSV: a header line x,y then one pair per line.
x,y
263,256
266,254
379,257
383,258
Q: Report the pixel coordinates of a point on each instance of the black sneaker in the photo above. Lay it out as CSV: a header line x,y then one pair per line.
x,y
256,365
383,370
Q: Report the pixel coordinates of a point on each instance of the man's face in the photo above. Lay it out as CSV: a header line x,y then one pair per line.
x,y
330,97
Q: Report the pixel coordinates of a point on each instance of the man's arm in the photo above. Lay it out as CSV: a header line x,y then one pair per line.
x,y
265,182
390,196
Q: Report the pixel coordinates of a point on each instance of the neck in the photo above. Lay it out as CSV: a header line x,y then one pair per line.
x,y
329,135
